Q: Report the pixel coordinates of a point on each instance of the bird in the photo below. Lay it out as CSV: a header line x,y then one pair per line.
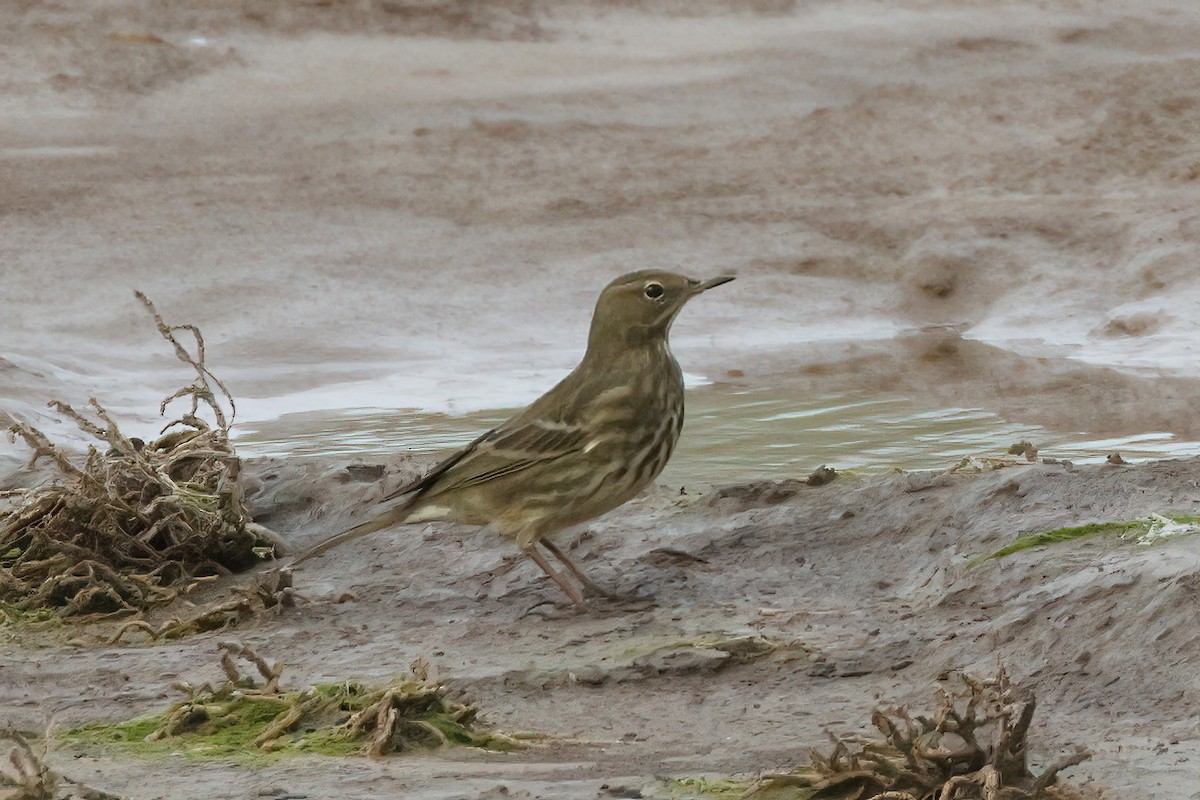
x,y
588,445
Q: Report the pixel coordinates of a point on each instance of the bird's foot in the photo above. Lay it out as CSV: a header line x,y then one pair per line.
x,y
592,591
623,601
595,603
550,609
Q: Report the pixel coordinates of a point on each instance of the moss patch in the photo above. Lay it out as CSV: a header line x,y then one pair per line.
x,y
722,788
1137,528
16,614
240,722
32,628
701,789
223,725
230,735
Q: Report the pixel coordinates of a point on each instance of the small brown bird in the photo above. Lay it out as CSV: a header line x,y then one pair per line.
x,y
588,445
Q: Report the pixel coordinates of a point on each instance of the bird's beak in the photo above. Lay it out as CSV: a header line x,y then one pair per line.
x,y
704,286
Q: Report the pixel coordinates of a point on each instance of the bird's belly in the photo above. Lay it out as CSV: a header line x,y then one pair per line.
x,y
576,489
626,447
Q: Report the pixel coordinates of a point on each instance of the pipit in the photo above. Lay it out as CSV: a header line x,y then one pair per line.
x,y
588,445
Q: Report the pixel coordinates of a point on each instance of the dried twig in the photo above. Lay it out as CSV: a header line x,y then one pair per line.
x,y
269,672
973,747
29,777
411,712
1050,775
200,390
136,520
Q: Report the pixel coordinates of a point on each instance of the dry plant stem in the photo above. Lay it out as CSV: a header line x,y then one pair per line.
x,y
42,447
270,673
30,773
223,616
141,625
973,747
1047,778
373,714
381,744
137,520
32,779
270,589
200,389
397,717
286,721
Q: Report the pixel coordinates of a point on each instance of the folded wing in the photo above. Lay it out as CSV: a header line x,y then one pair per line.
x,y
505,450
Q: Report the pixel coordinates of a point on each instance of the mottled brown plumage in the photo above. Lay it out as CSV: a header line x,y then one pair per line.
x,y
588,445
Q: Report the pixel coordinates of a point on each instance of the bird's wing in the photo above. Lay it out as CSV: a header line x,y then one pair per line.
x,y
515,445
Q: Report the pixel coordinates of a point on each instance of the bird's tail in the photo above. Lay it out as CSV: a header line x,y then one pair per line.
x,y
384,520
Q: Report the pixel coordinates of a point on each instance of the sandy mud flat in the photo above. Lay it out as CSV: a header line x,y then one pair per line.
x,y
412,206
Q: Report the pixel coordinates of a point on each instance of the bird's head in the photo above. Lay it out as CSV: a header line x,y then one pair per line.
x,y
639,307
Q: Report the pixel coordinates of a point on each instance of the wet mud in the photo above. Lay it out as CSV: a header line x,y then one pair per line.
x,y
410,206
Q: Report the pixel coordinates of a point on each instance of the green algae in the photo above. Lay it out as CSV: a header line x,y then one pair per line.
x,y
228,733
723,788
240,722
1137,528
701,788
230,726
13,614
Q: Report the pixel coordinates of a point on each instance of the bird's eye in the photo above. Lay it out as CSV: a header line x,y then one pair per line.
x,y
654,290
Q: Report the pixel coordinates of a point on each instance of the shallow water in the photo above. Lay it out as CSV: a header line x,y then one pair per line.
x,y
734,435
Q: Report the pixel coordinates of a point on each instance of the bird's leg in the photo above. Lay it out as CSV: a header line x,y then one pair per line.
x,y
587,582
571,591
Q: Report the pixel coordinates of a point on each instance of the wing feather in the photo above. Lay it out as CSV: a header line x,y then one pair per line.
x,y
507,449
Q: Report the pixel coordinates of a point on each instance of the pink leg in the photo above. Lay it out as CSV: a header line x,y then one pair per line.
x,y
578,573
571,591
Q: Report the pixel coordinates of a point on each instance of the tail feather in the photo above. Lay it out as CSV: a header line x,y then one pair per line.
x,y
385,520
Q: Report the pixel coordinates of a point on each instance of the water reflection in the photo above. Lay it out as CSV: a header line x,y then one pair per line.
x,y
735,435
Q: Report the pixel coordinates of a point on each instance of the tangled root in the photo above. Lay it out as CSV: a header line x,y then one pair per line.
x,y
413,712
136,520
973,747
24,775
269,590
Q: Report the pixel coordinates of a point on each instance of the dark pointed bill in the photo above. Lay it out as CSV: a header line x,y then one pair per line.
x,y
703,286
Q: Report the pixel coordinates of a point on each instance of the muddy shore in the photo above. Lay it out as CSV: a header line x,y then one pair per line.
x,y
1100,628
980,205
